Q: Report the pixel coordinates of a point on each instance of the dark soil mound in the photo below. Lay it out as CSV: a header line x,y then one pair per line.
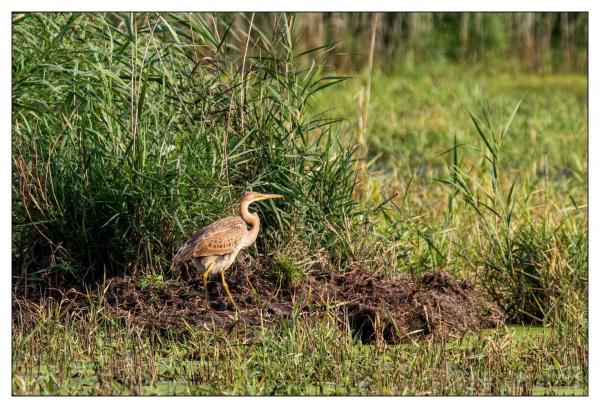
x,y
432,305
389,309
177,303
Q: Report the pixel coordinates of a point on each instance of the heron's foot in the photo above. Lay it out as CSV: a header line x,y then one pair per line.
x,y
235,318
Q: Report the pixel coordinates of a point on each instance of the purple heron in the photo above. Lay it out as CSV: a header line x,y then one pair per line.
x,y
213,248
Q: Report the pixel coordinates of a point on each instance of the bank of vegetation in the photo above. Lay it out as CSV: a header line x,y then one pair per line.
x,y
403,143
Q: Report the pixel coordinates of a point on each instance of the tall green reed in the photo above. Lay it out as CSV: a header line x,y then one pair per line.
x,y
131,130
533,266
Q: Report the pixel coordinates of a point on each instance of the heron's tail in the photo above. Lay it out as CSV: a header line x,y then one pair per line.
x,y
177,258
183,254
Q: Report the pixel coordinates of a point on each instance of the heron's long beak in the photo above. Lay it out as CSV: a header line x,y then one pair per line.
x,y
261,196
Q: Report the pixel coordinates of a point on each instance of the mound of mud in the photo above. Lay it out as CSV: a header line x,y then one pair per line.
x,y
432,305
388,309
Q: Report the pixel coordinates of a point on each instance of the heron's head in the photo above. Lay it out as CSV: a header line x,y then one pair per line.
x,y
251,197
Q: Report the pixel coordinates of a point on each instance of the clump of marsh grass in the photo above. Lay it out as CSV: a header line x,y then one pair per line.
x,y
59,351
534,267
285,270
132,130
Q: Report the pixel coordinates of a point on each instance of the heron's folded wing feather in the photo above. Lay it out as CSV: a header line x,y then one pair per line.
x,y
221,242
219,238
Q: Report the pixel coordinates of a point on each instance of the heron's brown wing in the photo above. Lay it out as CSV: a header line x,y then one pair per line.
x,y
219,238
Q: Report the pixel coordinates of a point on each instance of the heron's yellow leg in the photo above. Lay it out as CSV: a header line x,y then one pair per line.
x,y
227,288
206,272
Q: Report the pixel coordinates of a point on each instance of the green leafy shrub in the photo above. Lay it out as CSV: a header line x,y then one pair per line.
x,y
150,281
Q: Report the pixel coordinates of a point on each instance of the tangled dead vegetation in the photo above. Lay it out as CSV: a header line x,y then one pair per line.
x,y
390,309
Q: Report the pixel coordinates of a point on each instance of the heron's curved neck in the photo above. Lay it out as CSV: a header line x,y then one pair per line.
x,y
250,219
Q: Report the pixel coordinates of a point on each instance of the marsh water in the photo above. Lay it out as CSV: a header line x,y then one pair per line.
x,y
85,381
